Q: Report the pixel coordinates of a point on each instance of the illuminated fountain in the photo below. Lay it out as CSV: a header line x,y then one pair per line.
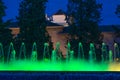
x,y
92,54
80,52
54,61
71,55
22,51
110,56
11,53
104,52
56,54
116,52
34,52
54,57
68,52
46,55
1,53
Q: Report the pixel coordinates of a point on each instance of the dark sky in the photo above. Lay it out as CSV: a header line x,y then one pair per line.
x,y
108,15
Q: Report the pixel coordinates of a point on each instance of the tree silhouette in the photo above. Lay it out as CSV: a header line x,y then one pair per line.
x,y
83,18
117,12
5,33
32,24
116,28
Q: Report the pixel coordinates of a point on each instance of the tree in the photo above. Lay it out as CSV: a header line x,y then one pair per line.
x,y
83,19
117,30
117,12
32,24
5,33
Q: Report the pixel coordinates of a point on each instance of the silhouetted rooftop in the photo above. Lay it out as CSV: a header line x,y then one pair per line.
x,y
60,12
108,28
52,24
15,24
102,28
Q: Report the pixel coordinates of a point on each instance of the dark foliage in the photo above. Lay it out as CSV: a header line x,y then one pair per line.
x,y
32,24
5,34
83,18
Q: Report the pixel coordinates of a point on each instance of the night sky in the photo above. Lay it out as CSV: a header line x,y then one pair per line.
x,y
108,15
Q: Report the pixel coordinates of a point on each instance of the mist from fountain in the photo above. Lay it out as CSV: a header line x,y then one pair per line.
x,y
110,56
34,52
56,62
46,54
116,52
11,57
22,52
1,53
68,52
92,54
80,52
104,53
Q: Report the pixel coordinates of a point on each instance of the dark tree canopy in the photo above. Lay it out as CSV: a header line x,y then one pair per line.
x,y
2,13
83,19
117,12
32,24
116,28
5,34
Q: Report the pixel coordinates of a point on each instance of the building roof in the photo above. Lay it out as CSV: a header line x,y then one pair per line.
x,y
52,24
65,30
15,24
102,28
59,12
108,28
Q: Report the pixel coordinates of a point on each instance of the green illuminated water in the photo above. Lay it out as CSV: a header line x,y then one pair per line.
x,y
22,51
46,54
68,52
49,66
117,52
11,53
80,51
54,62
92,56
104,53
1,53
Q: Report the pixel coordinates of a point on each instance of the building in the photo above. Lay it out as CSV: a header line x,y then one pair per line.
x,y
58,30
59,33
109,35
60,18
53,30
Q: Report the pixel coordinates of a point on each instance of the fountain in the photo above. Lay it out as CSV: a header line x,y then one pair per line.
x,y
56,63
22,51
110,56
92,54
34,52
11,53
46,55
71,55
68,52
104,53
80,51
1,53
58,52
116,52
54,57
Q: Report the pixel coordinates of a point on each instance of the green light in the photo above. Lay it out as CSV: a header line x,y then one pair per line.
x,y
49,66
54,62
